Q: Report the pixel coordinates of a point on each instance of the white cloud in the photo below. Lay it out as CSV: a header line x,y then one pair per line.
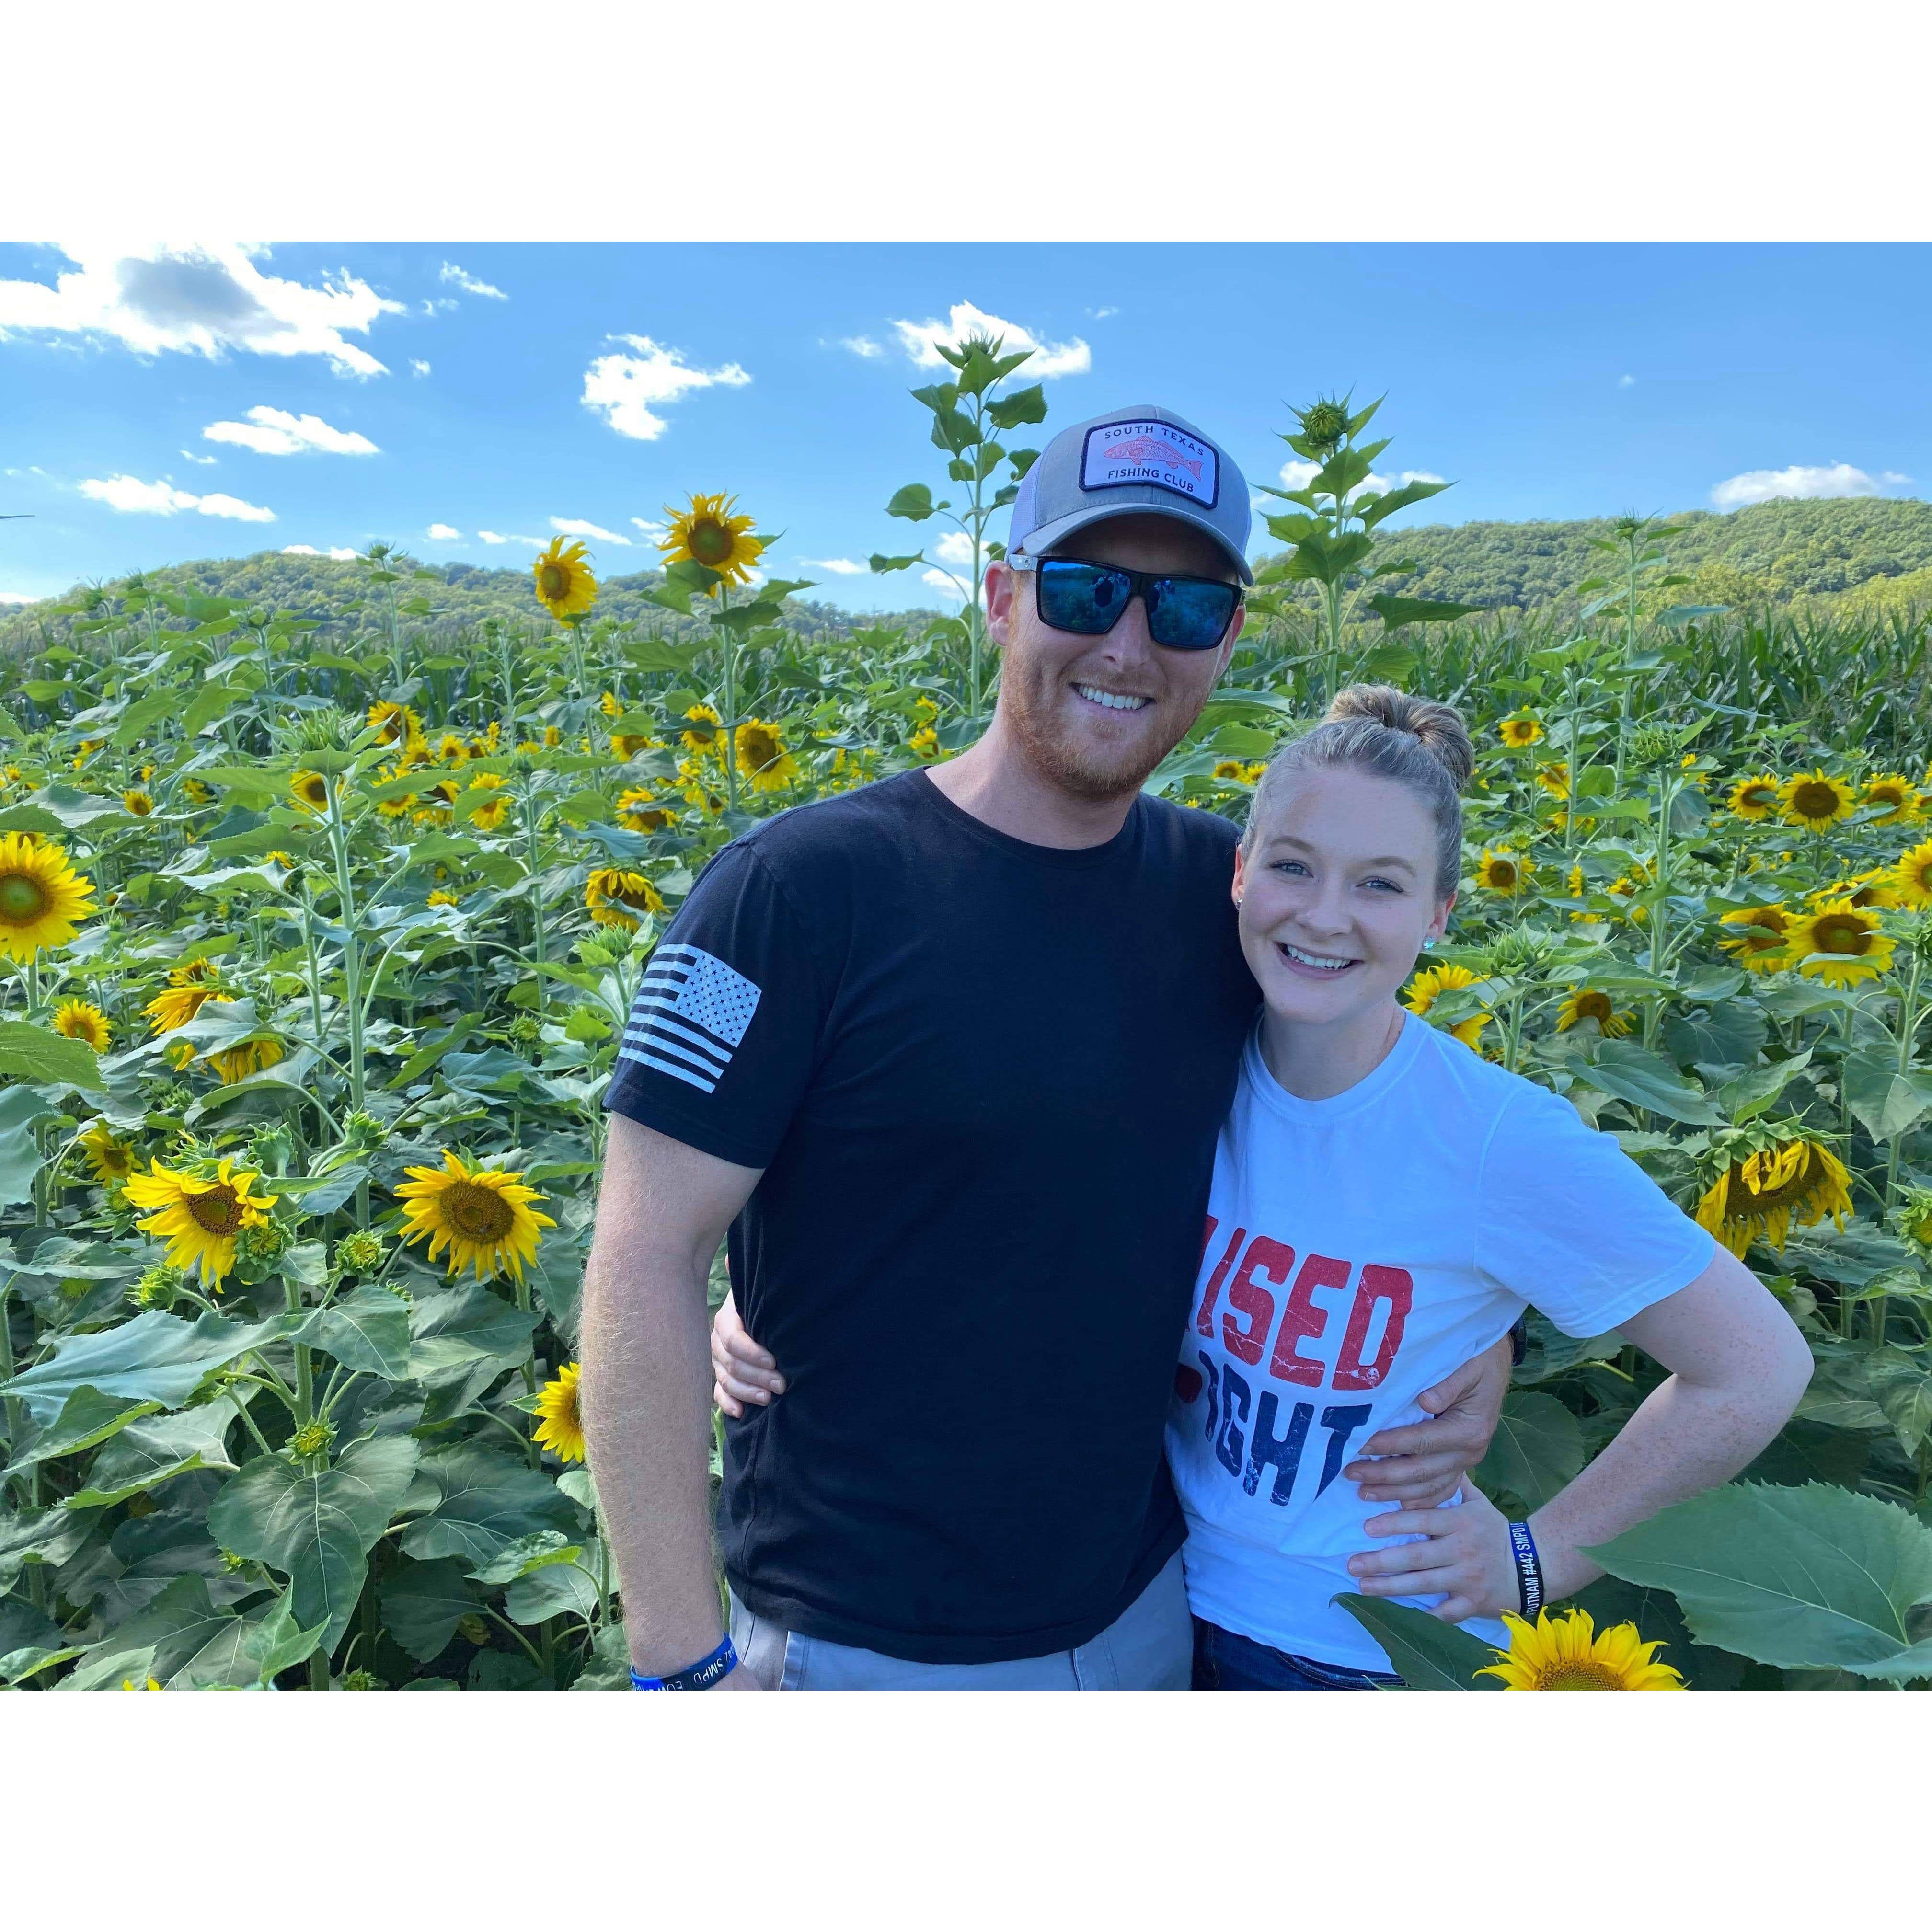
x,y
442,305
202,300
300,549
861,345
839,566
1297,474
271,432
344,556
491,537
468,283
417,367
1102,314
576,527
18,597
442,533
621,389
1799,479
956,547
1895,478
650,528
921,340
210,461
944,584
1626,381
163,499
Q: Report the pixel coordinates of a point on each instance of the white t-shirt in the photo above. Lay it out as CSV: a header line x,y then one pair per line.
x,y
1358,1248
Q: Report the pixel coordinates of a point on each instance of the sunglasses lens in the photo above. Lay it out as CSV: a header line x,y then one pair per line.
x,y
1084,597
1189,614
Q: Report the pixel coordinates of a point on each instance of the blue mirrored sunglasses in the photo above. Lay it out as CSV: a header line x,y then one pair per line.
x,y
1185,613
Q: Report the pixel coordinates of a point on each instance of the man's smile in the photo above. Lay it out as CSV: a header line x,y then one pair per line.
x,y
1112,700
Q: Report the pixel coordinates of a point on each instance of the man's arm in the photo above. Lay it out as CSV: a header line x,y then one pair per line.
x,y
662,1209
1424,1462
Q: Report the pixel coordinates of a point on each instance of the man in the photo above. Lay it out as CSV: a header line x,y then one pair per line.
x,y
948,1056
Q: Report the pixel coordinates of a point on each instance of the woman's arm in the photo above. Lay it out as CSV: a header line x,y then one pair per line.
x,y
1738,1367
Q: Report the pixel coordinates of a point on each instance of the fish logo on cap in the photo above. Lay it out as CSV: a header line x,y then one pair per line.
x,y
1118,453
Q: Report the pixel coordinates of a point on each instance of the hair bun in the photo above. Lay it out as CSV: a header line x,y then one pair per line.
x,y
1439,728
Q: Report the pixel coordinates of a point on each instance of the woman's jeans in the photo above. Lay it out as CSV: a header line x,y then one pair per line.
x,y
1223,1661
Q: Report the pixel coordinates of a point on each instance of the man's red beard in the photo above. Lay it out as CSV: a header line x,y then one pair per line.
x,y
1073,768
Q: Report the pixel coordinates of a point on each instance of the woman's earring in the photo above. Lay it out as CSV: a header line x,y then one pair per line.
x,y
1428,944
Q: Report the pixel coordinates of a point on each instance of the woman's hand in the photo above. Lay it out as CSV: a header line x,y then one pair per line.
x,y
741,1372
1467,1555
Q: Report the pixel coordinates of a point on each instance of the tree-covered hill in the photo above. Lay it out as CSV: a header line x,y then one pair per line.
x,y
1871,553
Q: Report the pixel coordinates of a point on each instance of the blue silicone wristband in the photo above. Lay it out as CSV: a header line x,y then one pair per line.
x,y
698,1676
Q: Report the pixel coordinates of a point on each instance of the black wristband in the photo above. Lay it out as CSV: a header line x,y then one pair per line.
x,y
1528,1570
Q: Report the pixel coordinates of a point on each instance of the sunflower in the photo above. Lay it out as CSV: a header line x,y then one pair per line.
x,y
1764,1192
1503,873
1587,1003
1627,885
1839,928
1565,1653
1759,946
561,1428
701,741
236,1063
1876,888
395,724
491,740
111,1157
482,1216
1431,983
399,807
924,743
440,898
1754,799
489,814
197,793
1911,876
638,808
199,1217
310,789
610,705
626,745
190,988
565,585
708,534
1815,800
1555,778
138,802
43,899
81,1019
1904,803
762,756
450,750
553,737
1519,733
610,889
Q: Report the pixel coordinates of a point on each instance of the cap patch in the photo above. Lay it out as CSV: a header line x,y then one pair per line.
x,y
1118,453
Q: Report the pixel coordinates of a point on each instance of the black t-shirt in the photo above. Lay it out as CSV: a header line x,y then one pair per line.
x,y
984,1079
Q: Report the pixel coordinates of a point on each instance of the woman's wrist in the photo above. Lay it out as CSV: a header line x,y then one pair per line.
x,y
1566,1570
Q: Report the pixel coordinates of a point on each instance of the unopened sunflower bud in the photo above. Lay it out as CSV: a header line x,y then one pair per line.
x,y
471,1627
263,1244
362,1131
1912,1218
1652,745
360,1251
526,1029
159,1286
312,1438
360,1680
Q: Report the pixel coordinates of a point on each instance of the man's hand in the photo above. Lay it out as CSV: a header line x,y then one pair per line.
x,y
1424,1463
741,1372
1465,1553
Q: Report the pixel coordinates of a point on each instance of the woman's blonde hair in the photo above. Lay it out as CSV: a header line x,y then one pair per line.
x,y
1421,745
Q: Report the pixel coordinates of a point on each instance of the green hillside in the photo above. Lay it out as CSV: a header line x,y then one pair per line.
x,y
1872,554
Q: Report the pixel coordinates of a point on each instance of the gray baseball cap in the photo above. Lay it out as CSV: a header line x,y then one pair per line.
x,y
1142,458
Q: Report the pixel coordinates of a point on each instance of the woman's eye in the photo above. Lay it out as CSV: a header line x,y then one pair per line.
x,y
1290,865
1387,885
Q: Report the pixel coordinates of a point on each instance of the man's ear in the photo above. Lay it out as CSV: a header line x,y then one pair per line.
x,y
1002,592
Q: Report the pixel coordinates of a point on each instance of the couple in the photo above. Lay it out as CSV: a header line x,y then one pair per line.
x,y
964,1060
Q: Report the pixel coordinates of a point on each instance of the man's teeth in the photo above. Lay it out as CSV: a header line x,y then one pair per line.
x,y
1316,959
1114,701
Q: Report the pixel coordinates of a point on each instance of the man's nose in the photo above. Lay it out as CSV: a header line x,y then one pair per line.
x,y
1128,642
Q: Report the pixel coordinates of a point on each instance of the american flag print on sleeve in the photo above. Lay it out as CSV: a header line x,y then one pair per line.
x,y
690,1015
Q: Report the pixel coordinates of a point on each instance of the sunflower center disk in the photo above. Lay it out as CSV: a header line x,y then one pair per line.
x,y
217,1212
1584,1675
556,581
710,543
22,900
478,1214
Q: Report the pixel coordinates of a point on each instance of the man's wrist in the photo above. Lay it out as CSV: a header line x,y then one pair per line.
x,y
701,1674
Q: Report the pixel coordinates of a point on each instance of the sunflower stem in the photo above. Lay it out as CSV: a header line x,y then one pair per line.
x,y
728,750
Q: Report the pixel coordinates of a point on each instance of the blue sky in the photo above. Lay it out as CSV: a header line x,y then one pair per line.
x,y
158,405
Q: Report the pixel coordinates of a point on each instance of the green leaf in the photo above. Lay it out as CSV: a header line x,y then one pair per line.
x,y
420,1062
1427,1653
146,1454
484,1499
1731,1035
1814,1578
610,1665
465,1323
322,1194
368,1329
317,1528
880,564
423,1603
43,1536
1397,611
1887,1102
181,1621
914,502
277,1643
565,1588
21,1110
28,1052
1904,1392
1386,504
86,1417
1022,406
1633,1073
1538,1447
155,1356
525,1555
211,701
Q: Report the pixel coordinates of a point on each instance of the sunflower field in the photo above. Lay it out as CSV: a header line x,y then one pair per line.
x,y
319,937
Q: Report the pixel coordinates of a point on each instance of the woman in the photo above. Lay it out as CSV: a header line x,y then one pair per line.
x,y
1451,1194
